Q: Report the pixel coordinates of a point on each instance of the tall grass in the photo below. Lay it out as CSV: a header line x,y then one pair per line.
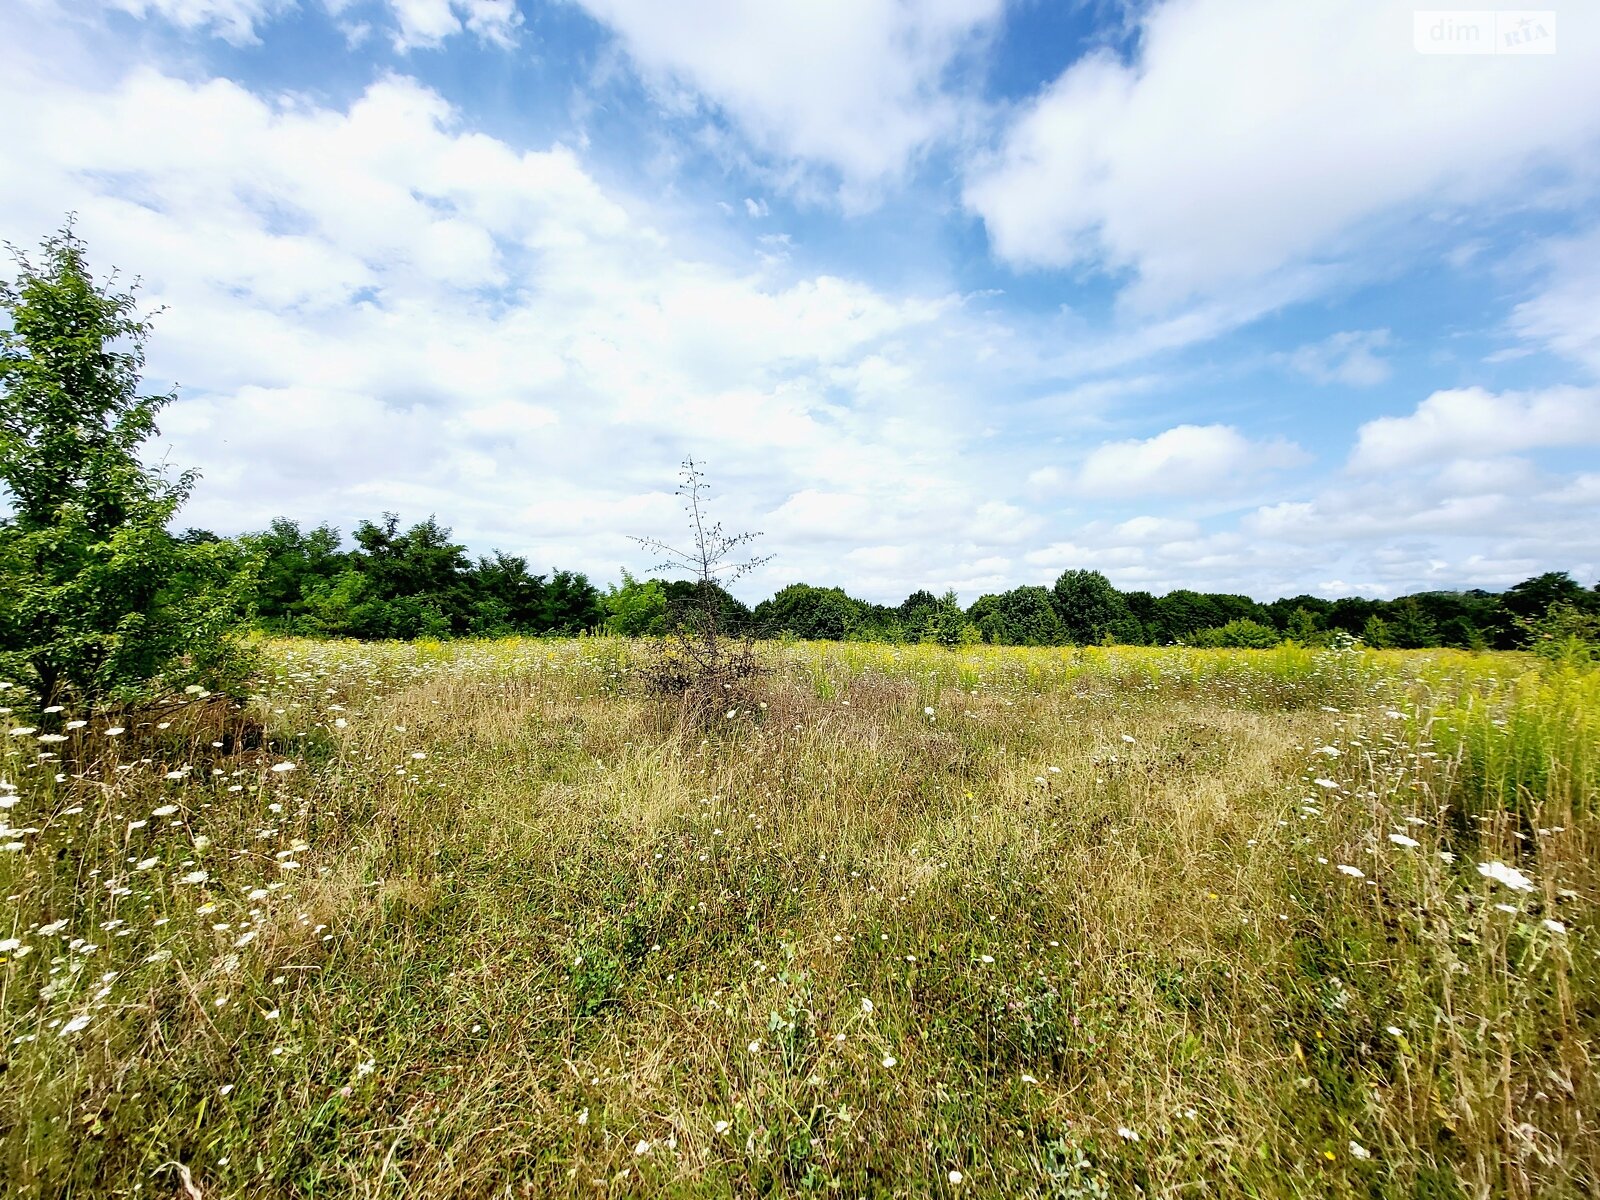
x,y
1103,922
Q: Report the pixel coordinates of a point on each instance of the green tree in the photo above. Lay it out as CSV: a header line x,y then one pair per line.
x,y
417,582
1532,598
1303,627
572,605
506,598
97,599
1024,616
947,624
295,566
1564,634
1410,626
810,612
637,608
1088,606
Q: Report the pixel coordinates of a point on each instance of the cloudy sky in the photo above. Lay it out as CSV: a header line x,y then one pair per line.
x,y
948,293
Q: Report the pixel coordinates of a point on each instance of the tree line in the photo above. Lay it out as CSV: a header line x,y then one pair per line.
x,y
417,582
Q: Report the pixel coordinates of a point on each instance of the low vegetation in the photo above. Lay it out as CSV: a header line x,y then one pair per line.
x,y
487,919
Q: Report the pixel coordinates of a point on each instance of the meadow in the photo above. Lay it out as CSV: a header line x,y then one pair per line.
x,y
486,919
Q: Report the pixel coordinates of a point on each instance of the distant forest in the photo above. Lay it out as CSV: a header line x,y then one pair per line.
x,y
416,582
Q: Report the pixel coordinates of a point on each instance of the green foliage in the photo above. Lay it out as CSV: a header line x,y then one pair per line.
x,y
1024,616
812,612
296,569
97,599
1240,634
408,584
1564,634
1087,605
1376,633
1410,627
636,608
1303,627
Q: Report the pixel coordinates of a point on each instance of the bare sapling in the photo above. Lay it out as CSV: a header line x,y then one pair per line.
x,y
702,660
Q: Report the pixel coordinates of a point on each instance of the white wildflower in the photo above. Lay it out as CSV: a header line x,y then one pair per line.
x,y
1509,876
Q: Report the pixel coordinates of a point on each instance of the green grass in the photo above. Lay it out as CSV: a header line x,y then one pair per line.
x,y
540,939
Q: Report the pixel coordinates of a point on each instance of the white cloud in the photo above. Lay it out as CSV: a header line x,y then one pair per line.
x,y
1185,459
418,24
1248,137
1487,523
1565,315
377,307
1155,529
1583,490
1473,422
421,24
234,21
373,305
1350,358
856,85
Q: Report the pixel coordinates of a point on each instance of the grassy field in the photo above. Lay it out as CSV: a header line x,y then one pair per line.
x,y
480,919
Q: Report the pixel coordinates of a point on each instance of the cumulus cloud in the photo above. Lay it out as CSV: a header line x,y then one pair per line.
x,y
855,85
1183,460
1242,138
376,306
1473,422
373,304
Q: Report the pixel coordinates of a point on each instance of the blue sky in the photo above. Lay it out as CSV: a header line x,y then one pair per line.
x,y
947,293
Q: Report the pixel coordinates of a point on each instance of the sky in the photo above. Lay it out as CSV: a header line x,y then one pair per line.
x,y
1234,295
